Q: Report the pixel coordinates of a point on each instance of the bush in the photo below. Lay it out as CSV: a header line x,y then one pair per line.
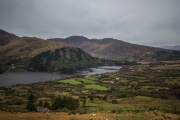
x,y
116,111
46,104
30,106
82,111
178,96
114,101
65,102
15,102
40,103
73,112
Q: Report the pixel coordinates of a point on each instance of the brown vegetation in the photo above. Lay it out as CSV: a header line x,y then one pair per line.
x,y
22,47
107,48
99,116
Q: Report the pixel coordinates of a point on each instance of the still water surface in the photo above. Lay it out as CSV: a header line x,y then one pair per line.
x,y
12,78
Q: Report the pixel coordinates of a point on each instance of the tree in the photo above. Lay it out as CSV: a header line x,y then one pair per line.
x,y
105,98
31,98
114,101
91,98
46,104
30,104
40,103
65,102
84,103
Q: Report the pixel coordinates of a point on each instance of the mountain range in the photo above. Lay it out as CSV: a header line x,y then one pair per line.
x,y
30,53
109,48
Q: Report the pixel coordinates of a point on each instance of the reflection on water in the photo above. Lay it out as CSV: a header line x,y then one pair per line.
x,y
8,79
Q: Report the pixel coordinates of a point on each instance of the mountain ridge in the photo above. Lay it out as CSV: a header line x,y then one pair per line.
x,y
107,48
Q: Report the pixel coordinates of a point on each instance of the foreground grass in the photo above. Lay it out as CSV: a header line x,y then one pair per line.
x,y
99,116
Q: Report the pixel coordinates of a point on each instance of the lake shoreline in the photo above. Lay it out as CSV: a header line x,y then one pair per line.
x,y
27,77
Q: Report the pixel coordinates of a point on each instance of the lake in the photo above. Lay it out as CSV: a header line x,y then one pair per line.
x,y
8,79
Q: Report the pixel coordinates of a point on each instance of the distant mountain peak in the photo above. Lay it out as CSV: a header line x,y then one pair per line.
x,y
6,37
3,33
77,37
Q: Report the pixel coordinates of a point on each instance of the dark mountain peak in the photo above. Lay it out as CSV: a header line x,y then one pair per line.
x,y
112,40
4,33
109,39
6,37
77,38
55,39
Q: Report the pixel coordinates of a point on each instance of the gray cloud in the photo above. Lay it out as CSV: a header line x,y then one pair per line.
x,y
144,22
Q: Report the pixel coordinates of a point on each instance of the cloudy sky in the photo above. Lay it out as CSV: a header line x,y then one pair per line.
x,y
145,22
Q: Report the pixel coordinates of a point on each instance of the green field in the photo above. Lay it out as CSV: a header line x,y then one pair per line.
x,y
85,80
96,87
70,81
92,78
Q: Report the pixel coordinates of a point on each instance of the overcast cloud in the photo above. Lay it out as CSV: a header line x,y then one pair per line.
x,y
145,22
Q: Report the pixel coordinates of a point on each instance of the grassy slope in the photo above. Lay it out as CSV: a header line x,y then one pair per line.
x,y
28,47
17,52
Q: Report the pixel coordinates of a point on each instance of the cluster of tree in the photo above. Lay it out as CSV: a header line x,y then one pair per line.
x,y
59,58
166,55
65,102
58,103
2,68
45,104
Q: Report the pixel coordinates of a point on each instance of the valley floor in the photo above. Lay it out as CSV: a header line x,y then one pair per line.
x,y
137,92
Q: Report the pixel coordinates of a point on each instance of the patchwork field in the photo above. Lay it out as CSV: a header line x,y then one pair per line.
x,y
96,87
70,81
140,92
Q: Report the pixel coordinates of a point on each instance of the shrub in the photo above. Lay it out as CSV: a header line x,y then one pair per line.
x,y
82,111
30,106
114,101
46,104
40,103
65,102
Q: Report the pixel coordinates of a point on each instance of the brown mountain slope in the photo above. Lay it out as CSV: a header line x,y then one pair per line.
x,y
108,48
26,53
6,37
13,47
